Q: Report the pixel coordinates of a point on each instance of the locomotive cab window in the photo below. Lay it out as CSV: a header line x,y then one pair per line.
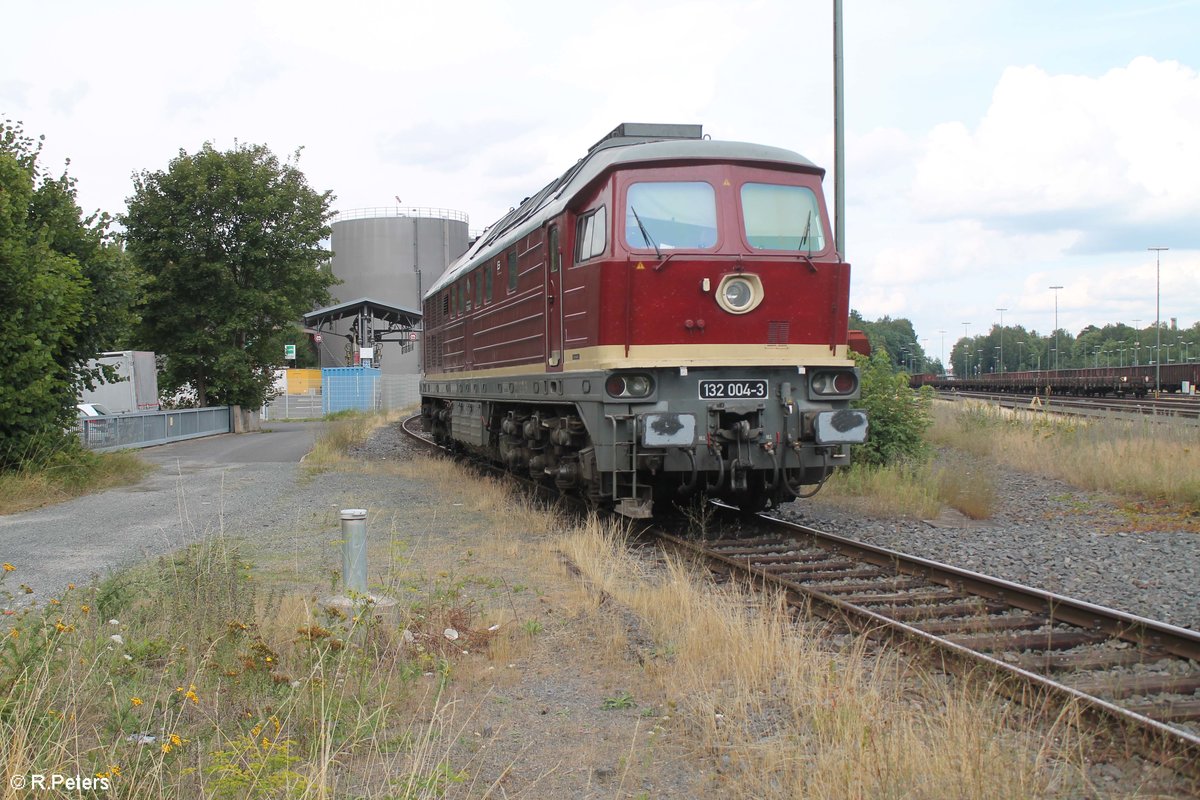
x,y
512,270
782,217
671,216
591,235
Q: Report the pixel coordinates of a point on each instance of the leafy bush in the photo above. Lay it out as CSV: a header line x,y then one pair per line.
x,y
68,289
899,418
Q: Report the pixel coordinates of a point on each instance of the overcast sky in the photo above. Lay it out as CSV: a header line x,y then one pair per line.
x,y
993,148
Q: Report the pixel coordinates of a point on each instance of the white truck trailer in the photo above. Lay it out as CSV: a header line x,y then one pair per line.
x,y
136,387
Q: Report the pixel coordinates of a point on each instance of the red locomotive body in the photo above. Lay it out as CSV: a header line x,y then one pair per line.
x,y
665,281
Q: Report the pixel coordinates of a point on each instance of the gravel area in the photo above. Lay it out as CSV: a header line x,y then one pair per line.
x,y
536,723
1049,535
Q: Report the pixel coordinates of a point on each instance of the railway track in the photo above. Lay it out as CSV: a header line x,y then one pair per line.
x,y
1136,677
1136,674
1172,408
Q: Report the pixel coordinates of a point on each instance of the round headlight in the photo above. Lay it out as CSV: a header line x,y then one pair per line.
x,y
738,294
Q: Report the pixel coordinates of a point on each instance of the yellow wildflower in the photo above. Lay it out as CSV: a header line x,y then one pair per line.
x,y
166,747
114,769
266,742
14,633
70,586
176,740
192,696
9,567
54,601
137,701
85,608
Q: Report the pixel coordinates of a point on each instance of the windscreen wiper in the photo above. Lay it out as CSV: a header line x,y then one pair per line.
x,y
645,235
804,241
804,236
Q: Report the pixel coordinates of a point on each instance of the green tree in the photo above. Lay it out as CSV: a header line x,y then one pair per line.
x,y
898,417
68,289
232,244
895,336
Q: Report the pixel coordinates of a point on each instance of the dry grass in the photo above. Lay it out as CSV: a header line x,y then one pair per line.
x,y
970,489
760,693
344,431
913,490
185,678
1141,459
250,690
903,490
70,473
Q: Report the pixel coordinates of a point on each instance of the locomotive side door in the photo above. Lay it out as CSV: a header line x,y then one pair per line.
x,y
554,305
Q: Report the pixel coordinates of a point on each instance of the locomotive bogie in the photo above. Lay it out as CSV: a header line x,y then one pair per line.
x,y
745,435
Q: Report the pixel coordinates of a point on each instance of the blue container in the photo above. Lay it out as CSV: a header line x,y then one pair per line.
x,y
349,389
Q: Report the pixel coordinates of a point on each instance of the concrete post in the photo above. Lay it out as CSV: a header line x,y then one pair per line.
x,y
354,550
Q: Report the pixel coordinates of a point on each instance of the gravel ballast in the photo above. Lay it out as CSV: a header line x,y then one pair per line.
x,y
1048,535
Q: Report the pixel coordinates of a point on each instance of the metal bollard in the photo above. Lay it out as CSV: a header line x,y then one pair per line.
x,y
354,550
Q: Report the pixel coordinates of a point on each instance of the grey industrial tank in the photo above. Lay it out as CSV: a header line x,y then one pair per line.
x,y
390,255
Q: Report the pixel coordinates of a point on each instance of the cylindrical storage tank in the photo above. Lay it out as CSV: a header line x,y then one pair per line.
x,y
390,255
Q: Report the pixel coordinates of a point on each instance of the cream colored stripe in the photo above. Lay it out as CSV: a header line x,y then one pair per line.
x,y
713,355
675,355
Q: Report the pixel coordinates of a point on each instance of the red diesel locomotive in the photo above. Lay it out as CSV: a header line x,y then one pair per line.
x,y
667,317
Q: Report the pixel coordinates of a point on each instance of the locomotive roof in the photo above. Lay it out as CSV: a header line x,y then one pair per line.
x,y
624,146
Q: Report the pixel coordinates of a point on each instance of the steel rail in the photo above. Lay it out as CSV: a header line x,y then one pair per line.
x,y
1172,746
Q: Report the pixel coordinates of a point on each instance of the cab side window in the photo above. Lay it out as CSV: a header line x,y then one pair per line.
x,y
591,234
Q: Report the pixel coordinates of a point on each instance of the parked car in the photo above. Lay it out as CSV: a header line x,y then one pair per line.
x,y
92,410
95,429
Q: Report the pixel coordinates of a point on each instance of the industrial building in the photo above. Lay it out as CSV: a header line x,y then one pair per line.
x,y
386,258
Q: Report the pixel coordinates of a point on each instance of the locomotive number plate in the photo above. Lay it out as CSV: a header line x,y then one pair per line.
x,y
733,390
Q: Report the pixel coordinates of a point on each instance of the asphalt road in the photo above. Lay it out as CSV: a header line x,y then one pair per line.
x,y
234,483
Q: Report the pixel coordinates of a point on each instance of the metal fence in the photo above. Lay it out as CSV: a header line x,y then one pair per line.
x,y
295,406
350,390
146,428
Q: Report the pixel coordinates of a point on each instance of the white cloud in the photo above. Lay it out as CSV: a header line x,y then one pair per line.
x,y
1113,157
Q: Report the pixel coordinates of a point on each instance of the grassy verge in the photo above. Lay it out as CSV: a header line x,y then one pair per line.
x,y
917,490
184,678
764,695
67,473
345,430
1138,459
202,675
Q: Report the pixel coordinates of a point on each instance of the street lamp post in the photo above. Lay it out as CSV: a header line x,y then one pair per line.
x,y
1002,310
1157,322
1021,360
966,367
1056,288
